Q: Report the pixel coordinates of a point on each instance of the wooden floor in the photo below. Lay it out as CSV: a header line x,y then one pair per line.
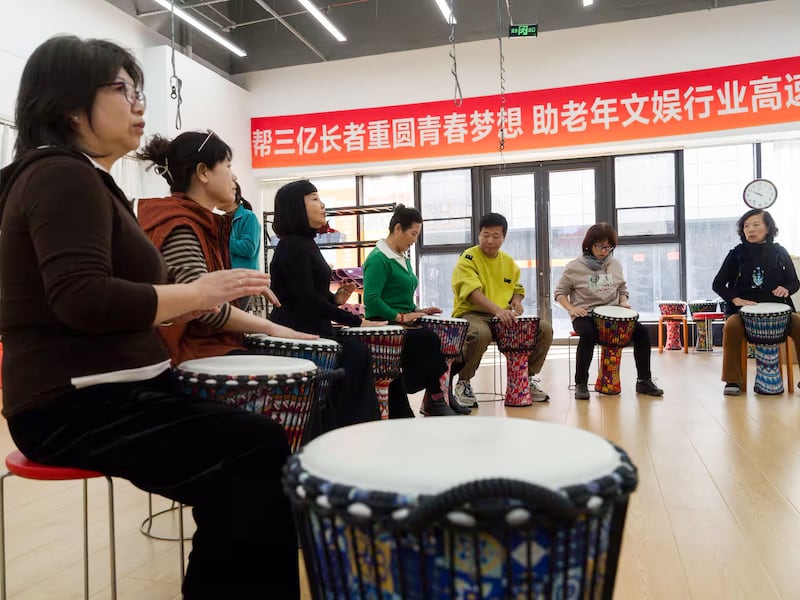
x,y
716,515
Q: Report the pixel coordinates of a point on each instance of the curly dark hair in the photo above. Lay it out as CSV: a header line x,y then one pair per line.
x,y
772,229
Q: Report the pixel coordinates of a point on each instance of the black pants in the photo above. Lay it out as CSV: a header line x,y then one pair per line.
x,y
587,330
224,462
422,365
354,399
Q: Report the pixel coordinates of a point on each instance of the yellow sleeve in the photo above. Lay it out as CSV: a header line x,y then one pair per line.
x,y
466,278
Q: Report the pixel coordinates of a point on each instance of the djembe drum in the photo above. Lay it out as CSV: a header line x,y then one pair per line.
x,y
493,525
386,346
614,328
278,387
516,342
451,332
766,326
705,340
669,308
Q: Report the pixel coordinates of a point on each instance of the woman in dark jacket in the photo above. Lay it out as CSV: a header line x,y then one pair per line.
x,y
301,280
757,270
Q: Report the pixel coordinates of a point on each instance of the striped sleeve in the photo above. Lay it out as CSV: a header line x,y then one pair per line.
x,y
184,256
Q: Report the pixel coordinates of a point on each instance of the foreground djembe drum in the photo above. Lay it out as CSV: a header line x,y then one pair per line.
x,y
451,332
615,328
669,308
766,326
386,346
280,388
494,525
516,342
705,340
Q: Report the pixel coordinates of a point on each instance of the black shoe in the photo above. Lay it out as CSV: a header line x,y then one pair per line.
x,y
457,408
435,407
646,386
581,391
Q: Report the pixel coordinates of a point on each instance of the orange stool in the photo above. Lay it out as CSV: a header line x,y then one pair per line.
x,y
19,465
661,320
786,351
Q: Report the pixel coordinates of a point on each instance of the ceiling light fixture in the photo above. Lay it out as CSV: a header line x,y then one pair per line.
x,y
324,21
587,3
183,15
446,13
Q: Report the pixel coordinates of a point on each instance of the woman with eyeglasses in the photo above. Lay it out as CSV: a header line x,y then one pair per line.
x,y
192,228
86,379
596,279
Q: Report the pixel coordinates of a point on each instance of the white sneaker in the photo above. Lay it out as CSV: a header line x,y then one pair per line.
x,y
537,393
465,395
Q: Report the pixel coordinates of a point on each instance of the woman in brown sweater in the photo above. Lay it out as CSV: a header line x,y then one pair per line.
x,y
86,378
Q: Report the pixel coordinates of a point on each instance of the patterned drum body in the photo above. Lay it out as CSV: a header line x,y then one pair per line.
x,y
516,342
615,328
673,307
451,333
473,531
386,346
278,387
766,325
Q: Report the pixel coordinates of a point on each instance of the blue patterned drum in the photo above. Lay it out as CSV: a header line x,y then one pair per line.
x,y
493,525
766,325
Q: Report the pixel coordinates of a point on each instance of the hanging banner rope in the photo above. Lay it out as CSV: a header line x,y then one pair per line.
x,y
458,97
175,82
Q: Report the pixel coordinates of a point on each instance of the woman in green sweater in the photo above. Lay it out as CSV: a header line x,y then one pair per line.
x,y
389,286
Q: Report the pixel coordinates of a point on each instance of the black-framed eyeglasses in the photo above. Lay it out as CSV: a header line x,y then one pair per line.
x,y
205,141
132,94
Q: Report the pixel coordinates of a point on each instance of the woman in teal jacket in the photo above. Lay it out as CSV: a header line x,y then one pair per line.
x,y
245,242
389,286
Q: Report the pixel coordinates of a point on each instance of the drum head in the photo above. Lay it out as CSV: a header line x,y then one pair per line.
x,y
377,456
615,312
322,343
441,319
383,330
766,308
247,365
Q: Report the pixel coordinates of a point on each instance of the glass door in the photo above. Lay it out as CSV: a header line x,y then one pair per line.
x,y
549,208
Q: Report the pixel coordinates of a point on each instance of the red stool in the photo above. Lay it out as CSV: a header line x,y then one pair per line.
x,y
20,466
703,322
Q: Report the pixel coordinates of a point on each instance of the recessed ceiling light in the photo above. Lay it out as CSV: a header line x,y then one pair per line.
x,y
202,28
324,21
587,3
444,7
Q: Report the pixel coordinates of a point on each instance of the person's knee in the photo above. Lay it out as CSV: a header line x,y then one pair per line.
x,y
545,334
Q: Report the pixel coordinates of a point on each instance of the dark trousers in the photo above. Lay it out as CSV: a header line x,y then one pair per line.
x,y
224,462
422,365
587,330
353,398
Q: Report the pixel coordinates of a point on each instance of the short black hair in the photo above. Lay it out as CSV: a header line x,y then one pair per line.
x,y
62,77
177,160
772,229
405,217
493,220
598,233
290,209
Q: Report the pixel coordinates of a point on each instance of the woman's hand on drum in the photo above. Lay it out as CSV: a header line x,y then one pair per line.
x,y
780,292
216,288
577,311
276,330
506,316
344,292
742,302
367,323
431,310
624,304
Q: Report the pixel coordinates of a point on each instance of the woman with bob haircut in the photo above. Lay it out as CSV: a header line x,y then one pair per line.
x,y
757,270
594,279
86,379
389,287
192,227
301,280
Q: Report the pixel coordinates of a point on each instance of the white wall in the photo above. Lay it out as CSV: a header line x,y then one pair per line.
x,y
674,43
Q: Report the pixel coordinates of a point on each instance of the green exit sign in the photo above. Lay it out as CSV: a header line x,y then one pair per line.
x,y
523,30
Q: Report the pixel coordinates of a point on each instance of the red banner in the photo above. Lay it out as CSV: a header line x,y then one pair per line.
x,y
734,97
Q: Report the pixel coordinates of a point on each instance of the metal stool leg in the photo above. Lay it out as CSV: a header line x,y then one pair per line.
x,y
112,543
3,536
86,539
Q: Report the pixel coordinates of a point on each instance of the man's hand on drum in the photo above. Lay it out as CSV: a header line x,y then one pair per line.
x,y
368,323
577,311
216,288
344,292
780,292
742,302
516,306
431,310
506,316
